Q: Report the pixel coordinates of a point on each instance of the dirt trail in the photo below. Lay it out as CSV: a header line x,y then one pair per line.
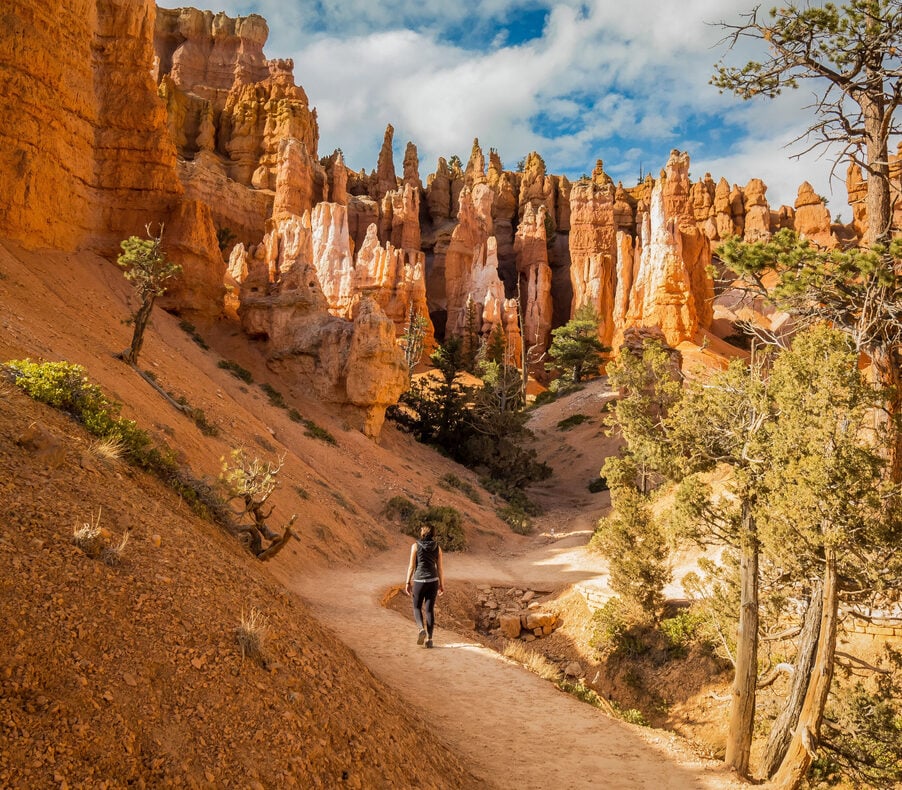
x,y
515,729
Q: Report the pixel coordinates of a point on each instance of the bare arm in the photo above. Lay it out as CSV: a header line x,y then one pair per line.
x,y
441,573
411,567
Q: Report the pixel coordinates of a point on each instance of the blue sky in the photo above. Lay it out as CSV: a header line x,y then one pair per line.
x,y
624,82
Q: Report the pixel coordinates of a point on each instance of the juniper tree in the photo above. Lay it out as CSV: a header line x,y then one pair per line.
x,y
149,270
575,349
632,541
830,517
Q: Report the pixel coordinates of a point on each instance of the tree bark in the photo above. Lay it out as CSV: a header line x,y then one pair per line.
x,y
142,318
804,741
785,723
887,373
742,708
878,202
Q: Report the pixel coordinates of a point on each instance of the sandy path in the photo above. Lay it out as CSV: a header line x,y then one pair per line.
x,y
517,730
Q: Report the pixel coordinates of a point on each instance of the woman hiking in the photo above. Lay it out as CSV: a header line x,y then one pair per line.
x,y
426,576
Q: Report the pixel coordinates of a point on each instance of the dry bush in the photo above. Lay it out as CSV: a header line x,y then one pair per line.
x,y
88,536
533,661
251,634
112,555
111,448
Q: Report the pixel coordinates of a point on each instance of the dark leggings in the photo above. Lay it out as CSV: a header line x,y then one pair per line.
x,y
424,594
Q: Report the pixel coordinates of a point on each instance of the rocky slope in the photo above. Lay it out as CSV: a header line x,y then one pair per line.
x,y
133,674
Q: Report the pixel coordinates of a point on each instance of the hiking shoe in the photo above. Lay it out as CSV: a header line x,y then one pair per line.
x,y
421,638
429,642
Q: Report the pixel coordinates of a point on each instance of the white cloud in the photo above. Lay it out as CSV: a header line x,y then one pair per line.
x,y
621,83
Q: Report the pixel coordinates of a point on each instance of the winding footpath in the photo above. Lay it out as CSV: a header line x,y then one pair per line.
x,y
515,729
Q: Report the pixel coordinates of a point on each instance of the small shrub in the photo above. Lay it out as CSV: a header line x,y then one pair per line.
x,y
275,397
88,537
598,485
582,692
619,629
548,396
400,508
112,554
572,421
452,481
445,521
516,518
317,432
680,630
294,415
188,328
632,716
251,634
236,370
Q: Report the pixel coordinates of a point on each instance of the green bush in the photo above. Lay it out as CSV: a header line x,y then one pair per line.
x,y
598,485
632,715
445,521
400,508
452,481
620,629
572,421
680,630
545,397
516,518
65,386
191,331
236,370
275,397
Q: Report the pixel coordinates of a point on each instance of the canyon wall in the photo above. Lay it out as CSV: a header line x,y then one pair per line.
x,y
145,115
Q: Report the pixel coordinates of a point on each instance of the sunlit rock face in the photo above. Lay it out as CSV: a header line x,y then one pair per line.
x,y
670,287
352,359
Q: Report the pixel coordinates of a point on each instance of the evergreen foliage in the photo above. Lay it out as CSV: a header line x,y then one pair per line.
x,y
575,350
148,270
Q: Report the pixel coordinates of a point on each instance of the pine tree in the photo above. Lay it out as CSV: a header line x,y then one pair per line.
x,y
575,349
148,270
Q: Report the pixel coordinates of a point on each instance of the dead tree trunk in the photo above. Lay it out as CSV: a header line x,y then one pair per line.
x,y
804,741
742,709
785,723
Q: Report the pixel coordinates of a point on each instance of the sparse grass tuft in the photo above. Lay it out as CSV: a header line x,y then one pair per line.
x,y
251,634
317,432
533,661
582,692
191,331
88,536
236,370
112,555
275,397
111,448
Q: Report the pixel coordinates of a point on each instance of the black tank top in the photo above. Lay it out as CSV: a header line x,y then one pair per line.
x,y
427,561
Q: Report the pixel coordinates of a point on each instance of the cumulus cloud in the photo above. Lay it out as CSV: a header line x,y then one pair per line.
x,y
589,80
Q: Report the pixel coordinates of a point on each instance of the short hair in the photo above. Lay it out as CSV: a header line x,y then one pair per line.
x,y
427,531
